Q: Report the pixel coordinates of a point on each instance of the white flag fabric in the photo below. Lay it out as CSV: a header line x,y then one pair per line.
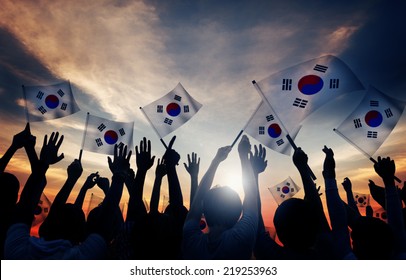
x,y
171,111
372,121
49,102
284,190
42,210
102,134
265,127
361,199
298,91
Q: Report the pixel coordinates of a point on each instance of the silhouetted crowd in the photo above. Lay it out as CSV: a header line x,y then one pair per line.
x,y
235,227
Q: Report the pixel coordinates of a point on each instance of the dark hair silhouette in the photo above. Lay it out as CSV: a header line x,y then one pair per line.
x,y
372,239
296,224
230,211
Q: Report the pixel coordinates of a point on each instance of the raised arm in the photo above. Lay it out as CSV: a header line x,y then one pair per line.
x,y
196,210
336,209
144,162
36,182
89,183
160,172
300,160
347,185
193,169
385,168
119,167
22,139
172,158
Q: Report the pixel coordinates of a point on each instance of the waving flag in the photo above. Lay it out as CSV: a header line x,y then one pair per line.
x,y
171,111
298,91
102,134
265,127
361,199
49,102
372,121
284,190
42,210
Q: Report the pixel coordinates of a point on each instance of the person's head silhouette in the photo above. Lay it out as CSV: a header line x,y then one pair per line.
x,y
10,187
372,239
222,207
296,224
68,222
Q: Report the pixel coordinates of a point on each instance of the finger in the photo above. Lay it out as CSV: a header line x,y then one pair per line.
x,y
149,146
59,142
152,159
198,161
171,142
129,155
58,159
110,162
188,158
256,150
143,144
115,151
136,151
185,165
45,140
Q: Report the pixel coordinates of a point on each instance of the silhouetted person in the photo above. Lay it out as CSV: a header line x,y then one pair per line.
x,y
231,235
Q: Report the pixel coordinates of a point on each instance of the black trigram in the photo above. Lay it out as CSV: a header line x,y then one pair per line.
x,y
334,83
269,118
374,103
40,94
42,110
159,109
186,109
261,130
388,113
301,103
177,98
372,134
168,121
280,142
320,68
64,106
99,142
101,127
121,131
357,123
61,93
287,84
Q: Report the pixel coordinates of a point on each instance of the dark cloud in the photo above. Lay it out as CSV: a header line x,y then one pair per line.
x,y
377,51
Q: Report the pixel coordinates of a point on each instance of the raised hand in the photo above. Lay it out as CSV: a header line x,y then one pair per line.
x,y
160,170
143,156
329,163
244,147
385,167
91,180
75,169
171,157
121,161
23,138
347,184
300,158
193,165
49,151
257,159
103,183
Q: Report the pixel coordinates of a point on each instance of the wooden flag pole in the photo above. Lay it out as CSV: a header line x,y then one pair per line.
x,y
292,143
84,137
156,131
360,150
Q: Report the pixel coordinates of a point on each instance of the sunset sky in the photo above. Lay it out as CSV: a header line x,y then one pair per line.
x,y
122,54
